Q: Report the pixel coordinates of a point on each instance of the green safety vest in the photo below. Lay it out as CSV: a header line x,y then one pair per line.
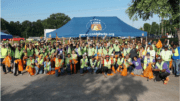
x,y
126,63
40,61
67,60
91,63
83,63
29,62
90,51
116,47
11,52
98,64
107,64
29,52
4,52
74,57
100,51
160,66
69,49
47,66
111,50
84,50
166,56
52,51
146,62
154,47
18,53
125,52
120,61
57,63
176,52
158,52
79,51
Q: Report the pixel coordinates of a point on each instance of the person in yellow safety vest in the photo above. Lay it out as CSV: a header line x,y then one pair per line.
x,y
142,52
91,52
148,59
78,51
68,62
116,48
30,66
151,51
47,65
18,57
59,65
120,62
161,71
107,65
4,53
126,50
39,64
176,59
84,64
92,65
166,55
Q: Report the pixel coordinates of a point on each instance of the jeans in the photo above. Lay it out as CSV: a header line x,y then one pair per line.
x,y
129,69
85,69
39,70
95,69
116,66
167,62
176,66
68,69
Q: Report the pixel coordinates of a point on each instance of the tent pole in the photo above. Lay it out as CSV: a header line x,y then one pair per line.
x,y
146,38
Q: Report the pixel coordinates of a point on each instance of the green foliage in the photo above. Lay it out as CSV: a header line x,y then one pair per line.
x,y
27,28
145,9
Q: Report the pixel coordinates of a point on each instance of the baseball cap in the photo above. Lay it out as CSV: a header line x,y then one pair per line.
x,y
159,58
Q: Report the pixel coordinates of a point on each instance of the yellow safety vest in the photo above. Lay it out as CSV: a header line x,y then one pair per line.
x,y
176,52
107,64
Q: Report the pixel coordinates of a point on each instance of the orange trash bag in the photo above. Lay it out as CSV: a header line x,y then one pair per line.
x,y
159,44
119,68
51,72
20,64
148,72
170,63
30,70
113,69
124,71
7,61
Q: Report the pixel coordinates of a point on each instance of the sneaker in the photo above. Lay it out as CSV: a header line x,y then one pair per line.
x,y
81,74
10,72
21,74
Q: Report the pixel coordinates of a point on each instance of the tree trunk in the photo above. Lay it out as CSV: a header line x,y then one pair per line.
x,y
178,33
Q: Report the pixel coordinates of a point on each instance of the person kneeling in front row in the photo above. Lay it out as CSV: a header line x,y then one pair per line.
x,y
161,71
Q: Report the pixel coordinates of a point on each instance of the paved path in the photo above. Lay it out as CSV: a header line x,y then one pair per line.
x,y
90,87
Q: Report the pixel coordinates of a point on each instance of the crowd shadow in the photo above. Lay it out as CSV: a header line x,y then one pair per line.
x,y
90,87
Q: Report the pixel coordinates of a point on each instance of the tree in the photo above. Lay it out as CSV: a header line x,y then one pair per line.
x,y
144,9
147,27
154,28
55,21
36,28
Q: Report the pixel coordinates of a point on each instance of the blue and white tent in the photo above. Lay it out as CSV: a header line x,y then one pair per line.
x,y
91,26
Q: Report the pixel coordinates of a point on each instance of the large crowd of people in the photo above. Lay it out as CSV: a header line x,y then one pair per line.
x,y
152,60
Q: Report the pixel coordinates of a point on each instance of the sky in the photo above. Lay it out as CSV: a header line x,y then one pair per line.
x,y
32,10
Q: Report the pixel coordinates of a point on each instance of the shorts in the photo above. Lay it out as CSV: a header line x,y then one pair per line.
x,y
137,71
